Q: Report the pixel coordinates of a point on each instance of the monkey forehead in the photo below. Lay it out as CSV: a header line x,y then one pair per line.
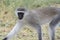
x,y
21,9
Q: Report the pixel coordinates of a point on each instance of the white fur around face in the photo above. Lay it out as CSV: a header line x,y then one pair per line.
x,y
25,13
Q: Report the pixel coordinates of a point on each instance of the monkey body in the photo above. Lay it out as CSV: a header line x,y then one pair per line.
x,y
42,15
36,18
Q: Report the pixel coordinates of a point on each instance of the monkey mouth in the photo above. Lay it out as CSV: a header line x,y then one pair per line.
x,y
20,15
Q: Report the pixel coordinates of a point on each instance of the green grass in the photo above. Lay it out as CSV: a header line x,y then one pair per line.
x,y
8,18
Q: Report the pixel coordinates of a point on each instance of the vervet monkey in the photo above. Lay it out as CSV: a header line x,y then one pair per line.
x,y
36,18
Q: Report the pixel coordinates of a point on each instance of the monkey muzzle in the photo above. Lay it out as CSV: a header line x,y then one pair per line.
x,y
20,15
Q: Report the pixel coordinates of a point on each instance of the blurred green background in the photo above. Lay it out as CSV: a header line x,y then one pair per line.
x,y
8,18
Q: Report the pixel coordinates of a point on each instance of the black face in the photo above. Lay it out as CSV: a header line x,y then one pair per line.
x,y
20,15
